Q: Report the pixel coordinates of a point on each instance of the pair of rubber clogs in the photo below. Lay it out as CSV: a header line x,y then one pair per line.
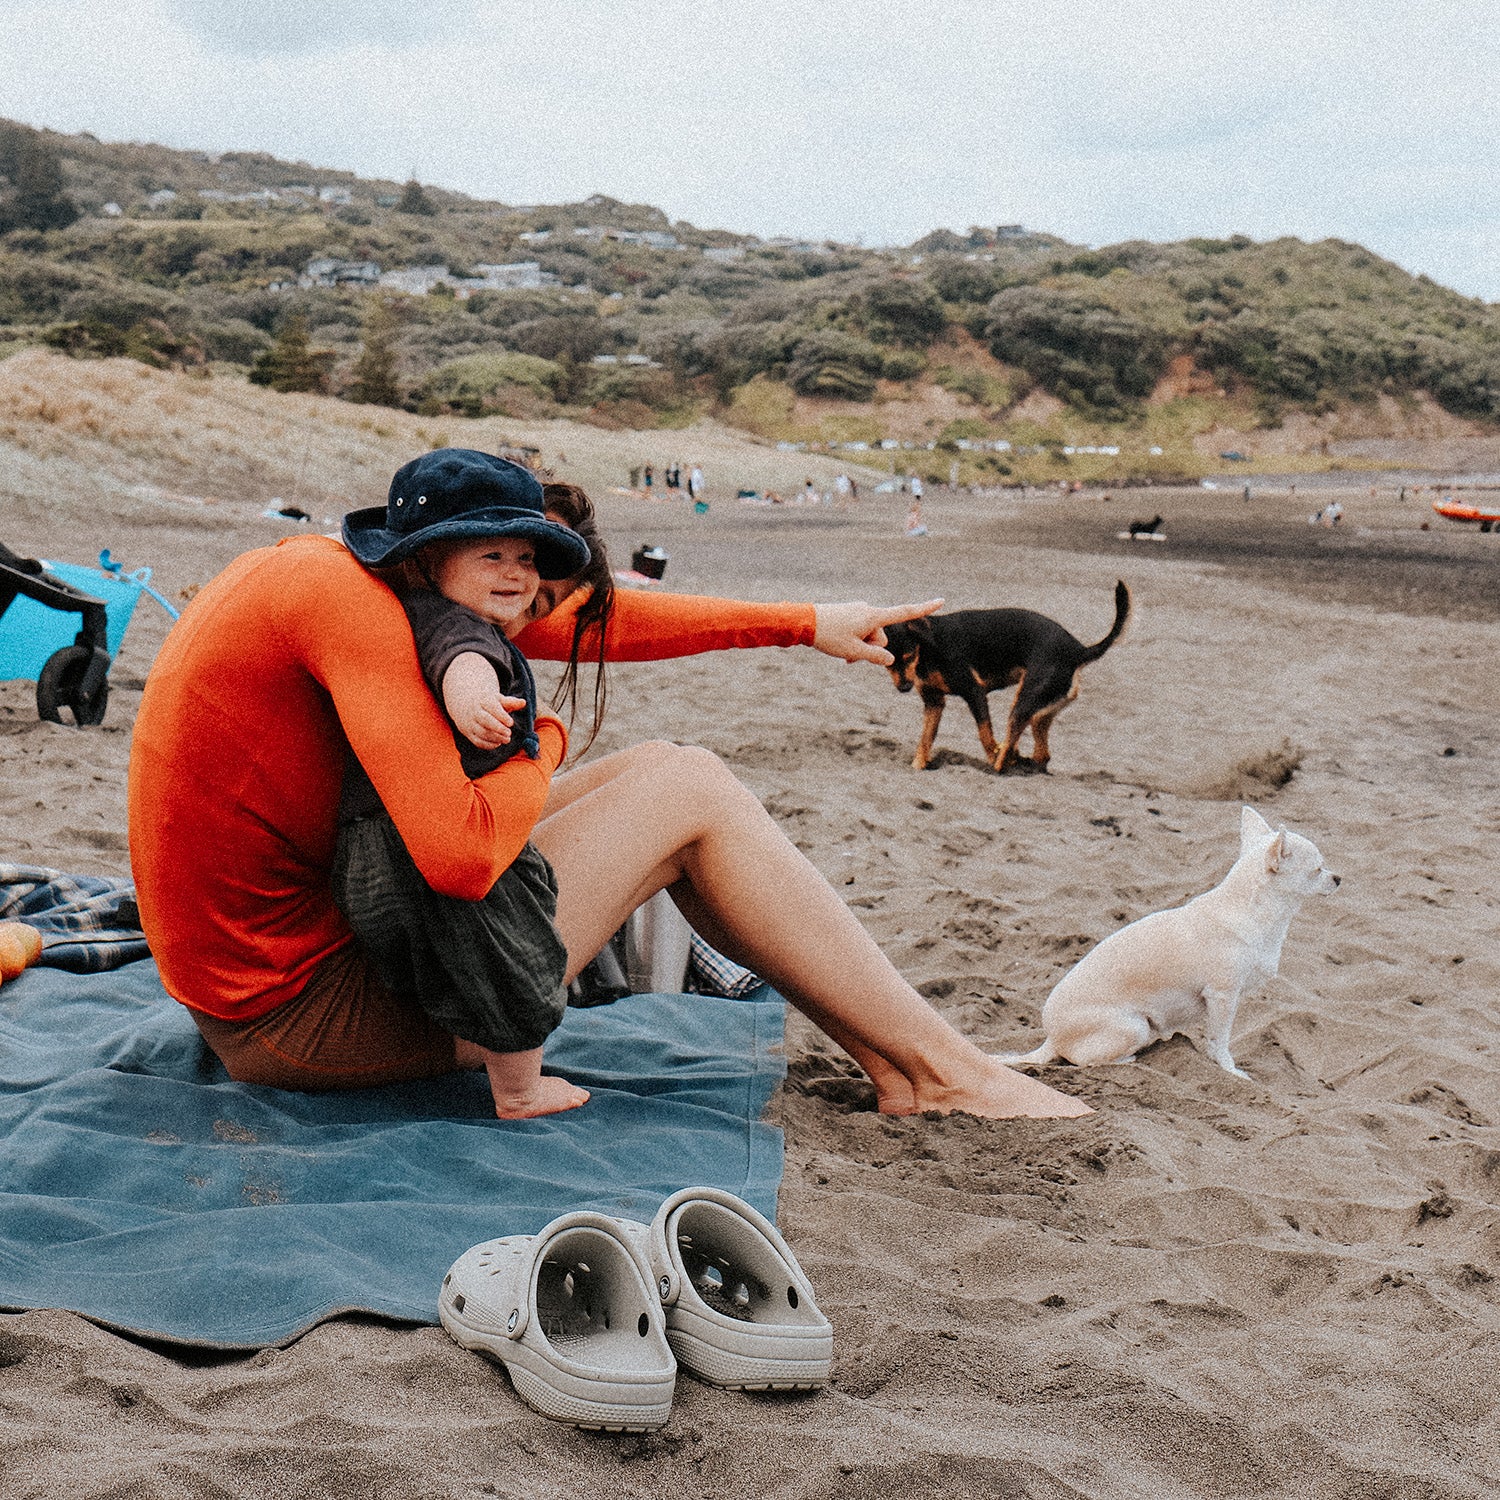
x,y
592,1316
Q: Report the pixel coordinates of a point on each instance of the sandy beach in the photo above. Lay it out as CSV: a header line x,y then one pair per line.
x,y
1278,1288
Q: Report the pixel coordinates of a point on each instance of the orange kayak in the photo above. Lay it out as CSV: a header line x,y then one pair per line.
x,y
1456,512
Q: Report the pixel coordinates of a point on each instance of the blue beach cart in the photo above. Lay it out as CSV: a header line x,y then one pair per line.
x,y
61,626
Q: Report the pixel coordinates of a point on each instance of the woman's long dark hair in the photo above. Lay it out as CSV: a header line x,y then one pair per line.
x,y
573,508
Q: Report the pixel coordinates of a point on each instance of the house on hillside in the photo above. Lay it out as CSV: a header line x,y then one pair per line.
x,y
798,247
419,281
653,239
519,275
416,281
160,198
323,270
723,252
339,197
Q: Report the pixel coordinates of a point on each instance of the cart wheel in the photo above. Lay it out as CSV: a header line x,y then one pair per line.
x,y
61,686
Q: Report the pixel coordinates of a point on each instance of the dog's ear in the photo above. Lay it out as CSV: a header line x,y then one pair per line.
x,y
922,628
1253,826
1275,851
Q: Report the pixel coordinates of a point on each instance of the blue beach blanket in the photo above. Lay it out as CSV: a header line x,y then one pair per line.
x,y
143,1189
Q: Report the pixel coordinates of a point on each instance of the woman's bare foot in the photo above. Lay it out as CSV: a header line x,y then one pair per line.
x,y
549,1095
995,1092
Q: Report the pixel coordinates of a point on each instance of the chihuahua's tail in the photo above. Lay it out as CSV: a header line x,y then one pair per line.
x,y
1046,1053
1122,614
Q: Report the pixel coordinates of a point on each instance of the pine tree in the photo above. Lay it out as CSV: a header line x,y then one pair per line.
x,y
291,363
374,374
36,199
414,201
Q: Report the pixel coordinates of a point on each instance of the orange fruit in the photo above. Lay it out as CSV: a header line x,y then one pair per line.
x,y
20,947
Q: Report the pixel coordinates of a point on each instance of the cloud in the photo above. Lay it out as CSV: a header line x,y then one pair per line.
x,y
272,28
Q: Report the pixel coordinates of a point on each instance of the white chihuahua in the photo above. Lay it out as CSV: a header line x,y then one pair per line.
x,y
1151,979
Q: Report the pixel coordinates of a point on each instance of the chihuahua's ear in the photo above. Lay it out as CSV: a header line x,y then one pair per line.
x,y
1253,826
1274,852
922,627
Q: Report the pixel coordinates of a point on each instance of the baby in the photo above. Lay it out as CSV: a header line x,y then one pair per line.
x,y
490,971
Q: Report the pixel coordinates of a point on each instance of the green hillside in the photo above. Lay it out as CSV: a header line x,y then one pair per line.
x,y
188,259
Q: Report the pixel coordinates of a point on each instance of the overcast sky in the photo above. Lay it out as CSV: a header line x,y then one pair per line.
x,y
1098,120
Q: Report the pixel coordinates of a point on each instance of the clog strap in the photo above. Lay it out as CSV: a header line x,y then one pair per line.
x,y
619,1230
667,1262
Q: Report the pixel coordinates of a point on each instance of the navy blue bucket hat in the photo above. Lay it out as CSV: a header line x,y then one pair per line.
x,y
460,494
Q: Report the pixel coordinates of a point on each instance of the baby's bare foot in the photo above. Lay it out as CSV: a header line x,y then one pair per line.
x,y
549,1095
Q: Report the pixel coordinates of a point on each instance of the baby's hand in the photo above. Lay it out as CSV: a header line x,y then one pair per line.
x,y
479,710
486,723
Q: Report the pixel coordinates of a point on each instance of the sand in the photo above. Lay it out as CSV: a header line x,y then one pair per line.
x,y
1284,1287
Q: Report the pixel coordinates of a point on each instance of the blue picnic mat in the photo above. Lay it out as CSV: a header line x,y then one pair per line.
x,y
143,1189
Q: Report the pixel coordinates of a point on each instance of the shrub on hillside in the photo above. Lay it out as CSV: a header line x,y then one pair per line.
x,y
576,336
904,364
1081,349
31,182
903,312
149,340
482,383
962,281
234,341
831,363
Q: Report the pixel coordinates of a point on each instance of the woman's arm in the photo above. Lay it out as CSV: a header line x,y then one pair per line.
x,y
652,627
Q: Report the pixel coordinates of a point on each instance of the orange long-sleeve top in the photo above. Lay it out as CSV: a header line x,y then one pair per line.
x,y
290,657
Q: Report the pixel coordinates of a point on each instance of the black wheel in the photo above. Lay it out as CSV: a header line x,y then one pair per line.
x,y
61,686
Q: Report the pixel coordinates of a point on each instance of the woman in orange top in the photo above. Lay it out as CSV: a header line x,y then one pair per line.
x,y
296,654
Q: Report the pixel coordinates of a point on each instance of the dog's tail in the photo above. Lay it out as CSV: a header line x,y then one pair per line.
x,y
1122,614
1046,1053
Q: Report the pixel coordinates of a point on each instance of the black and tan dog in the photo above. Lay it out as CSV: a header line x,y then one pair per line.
x,y
972,652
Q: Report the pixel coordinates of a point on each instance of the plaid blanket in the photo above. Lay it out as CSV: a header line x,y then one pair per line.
x,y
88,923
710,973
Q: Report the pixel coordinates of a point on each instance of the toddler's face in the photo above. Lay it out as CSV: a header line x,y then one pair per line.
x,y
496,577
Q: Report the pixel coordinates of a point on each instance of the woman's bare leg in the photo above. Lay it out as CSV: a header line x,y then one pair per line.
x,y
663,815
891,1084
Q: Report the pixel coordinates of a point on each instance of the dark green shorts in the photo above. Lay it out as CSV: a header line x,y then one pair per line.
x,y
488,971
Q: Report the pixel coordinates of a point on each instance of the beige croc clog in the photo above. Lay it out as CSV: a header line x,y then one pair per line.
x,y
740,1311
573,1315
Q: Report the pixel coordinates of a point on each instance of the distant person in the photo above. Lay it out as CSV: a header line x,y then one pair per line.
x,y
673,476
809,492
853,490
916,490
695,483
915,525
841,490
635,477
648,476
